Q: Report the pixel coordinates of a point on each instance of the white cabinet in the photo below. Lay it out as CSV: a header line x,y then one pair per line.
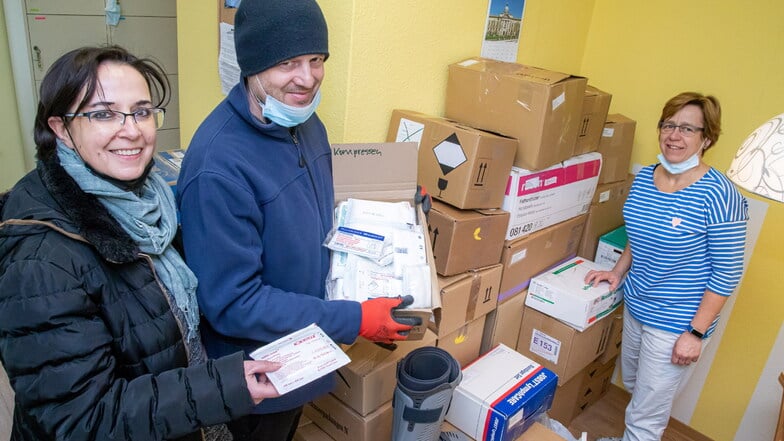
x,y
147,28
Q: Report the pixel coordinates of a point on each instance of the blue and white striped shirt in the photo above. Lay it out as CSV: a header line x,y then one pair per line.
x,y
682,243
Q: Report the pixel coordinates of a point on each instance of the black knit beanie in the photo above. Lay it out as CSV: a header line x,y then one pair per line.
x,y
267,32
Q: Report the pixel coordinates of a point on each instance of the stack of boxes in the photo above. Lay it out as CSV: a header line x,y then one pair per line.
x,y
513,169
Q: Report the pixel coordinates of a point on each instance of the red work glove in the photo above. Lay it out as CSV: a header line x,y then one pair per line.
x,y
423,197
379,325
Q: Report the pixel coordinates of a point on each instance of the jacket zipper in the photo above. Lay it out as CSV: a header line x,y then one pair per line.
x,y
304,164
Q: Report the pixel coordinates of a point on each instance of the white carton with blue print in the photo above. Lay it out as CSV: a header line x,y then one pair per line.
x,y
561,293
501,394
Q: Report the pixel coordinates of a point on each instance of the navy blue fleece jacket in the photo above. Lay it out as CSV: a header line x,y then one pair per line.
x,y
256,203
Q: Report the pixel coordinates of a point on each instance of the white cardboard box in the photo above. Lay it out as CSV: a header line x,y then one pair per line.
x,y
563,294
500,395
538,199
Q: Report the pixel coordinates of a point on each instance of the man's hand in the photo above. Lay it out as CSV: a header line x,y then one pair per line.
x,y
378,323
422,197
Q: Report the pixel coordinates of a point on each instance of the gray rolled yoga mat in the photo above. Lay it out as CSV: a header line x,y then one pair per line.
x,y
426,378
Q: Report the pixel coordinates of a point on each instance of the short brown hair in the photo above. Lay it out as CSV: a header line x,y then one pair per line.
x,y
711,112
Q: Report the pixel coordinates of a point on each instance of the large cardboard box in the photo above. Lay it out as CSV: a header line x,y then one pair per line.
x,y
558,346
503,324
311,432
528,256
563,294
343,424
604,214
464,343
584,389
538,107
385,172
615,339
616,147
596,105
500,395
460,165
537,199
537,432
369,380
465,239
466,297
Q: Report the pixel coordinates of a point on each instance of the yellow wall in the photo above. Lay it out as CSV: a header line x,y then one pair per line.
x,y
646,52
384,55
12,165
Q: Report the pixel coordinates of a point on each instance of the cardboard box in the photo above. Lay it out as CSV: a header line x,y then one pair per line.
x,y
596,105
604,214
343,424
563,294
611,246
537,199
539,432
466,297
464,343
311,432
615,339
502,326
370,379
584,389
598,378
558,346
616,147
385,172
465,239
538,107
501,393
460,165
528,256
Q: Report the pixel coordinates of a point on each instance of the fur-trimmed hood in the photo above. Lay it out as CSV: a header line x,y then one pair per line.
x,y
48,197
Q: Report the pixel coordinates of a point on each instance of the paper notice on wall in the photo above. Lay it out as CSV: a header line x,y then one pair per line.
x,y
502,29
228,69
306,355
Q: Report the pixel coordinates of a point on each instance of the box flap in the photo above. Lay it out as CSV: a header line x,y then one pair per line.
x,y
375,171
530,73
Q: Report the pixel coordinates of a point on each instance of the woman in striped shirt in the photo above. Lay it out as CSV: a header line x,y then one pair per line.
x,y
686,224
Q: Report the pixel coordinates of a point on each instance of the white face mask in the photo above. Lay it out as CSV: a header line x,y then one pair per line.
x,y
283,114
679,167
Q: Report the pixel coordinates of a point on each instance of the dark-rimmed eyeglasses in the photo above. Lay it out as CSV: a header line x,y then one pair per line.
x,y
145,116
685,129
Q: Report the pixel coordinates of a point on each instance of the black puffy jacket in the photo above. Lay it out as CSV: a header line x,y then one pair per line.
x,y
87,335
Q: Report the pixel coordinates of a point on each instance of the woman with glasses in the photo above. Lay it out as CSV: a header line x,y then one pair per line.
x,y
686,224
98,315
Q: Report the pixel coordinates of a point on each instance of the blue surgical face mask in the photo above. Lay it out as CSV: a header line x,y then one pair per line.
x,y
283,114
679,167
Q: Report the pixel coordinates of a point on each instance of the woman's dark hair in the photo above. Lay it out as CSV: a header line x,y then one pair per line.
x,y
78,70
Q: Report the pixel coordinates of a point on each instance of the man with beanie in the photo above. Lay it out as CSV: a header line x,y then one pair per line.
x,y
256,203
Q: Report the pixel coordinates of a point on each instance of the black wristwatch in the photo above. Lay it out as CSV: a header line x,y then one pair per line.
x,y
695,332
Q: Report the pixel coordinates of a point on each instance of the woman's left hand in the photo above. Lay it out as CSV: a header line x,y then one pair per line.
x,y
687,349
